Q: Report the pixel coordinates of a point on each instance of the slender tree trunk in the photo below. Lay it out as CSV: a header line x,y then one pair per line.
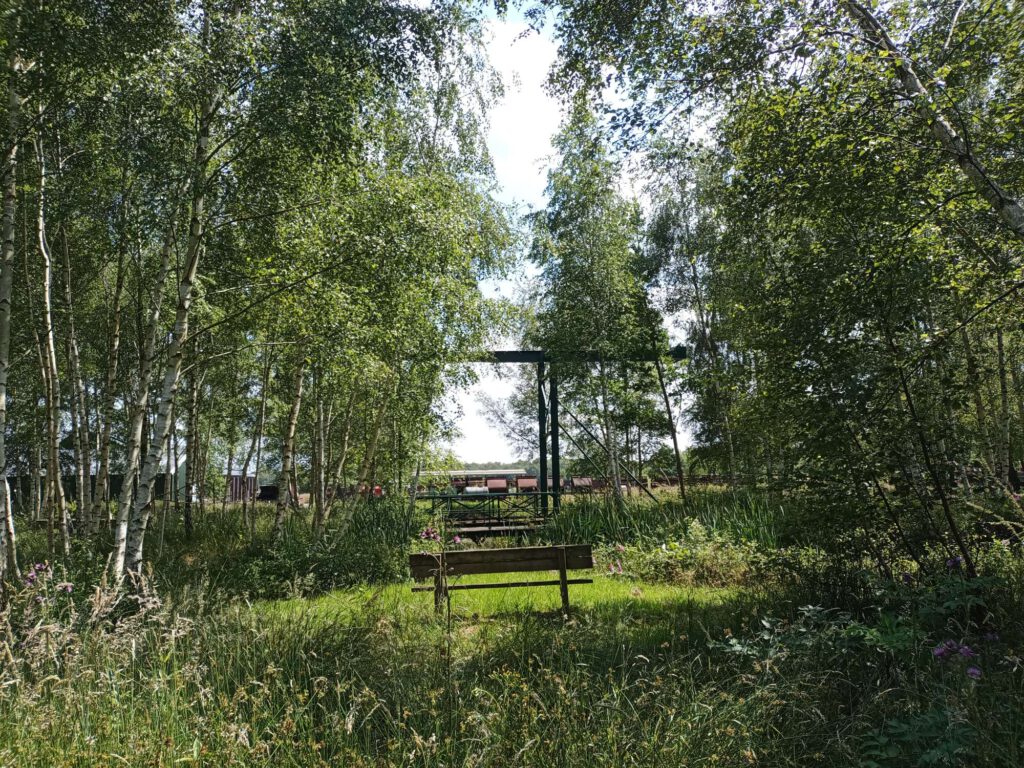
x,y
933,473
191,450
53,420
284,490
8,540
165,503
247,497
35,467
609,436
142,506
79,406
140,409
204,466
1015,379
338,476
319,458
227,483
172,373
1009,476
680,475
980,411
366,465
101,509
957,149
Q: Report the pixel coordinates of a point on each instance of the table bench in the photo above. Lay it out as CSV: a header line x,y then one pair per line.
x,y
441,565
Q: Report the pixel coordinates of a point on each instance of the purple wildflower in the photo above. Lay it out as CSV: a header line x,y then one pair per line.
x,y
65,586
457,540
991,637
945,649
954,563
619,548
906,578
967,652
429,534
974,673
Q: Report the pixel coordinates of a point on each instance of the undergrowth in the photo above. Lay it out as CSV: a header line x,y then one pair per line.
x,y
805,658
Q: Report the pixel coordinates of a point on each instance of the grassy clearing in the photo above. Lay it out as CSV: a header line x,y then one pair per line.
x,y
607,596
655,667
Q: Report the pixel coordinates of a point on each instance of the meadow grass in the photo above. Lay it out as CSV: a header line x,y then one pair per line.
x,y
665,672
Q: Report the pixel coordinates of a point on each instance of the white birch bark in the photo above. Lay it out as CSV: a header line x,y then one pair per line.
x,y
8,547
1003,203
288,451
100,511
52,378
79,409
140,408
142,506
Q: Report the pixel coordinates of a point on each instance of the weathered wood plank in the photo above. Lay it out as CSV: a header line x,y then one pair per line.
x,y
473,561
545,583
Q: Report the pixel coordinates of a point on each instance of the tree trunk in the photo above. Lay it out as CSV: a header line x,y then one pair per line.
x,y
319,459
288,449
8,541
79,407
933,473
172,373
1009,477
1005,205
191,450
980,411
609,436
53,418
140,409
259,441
142,506
101,508
371,445
680,475
257,438
227,481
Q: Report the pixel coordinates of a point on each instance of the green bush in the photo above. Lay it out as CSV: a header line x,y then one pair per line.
x,y
697,556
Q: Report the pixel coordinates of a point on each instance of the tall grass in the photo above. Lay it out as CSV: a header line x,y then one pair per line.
x,y
641,675
381,682
743,516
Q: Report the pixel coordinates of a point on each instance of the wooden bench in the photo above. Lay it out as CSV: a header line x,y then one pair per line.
x,y
441,565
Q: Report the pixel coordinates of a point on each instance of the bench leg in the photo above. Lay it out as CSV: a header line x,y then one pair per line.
x,y
563,579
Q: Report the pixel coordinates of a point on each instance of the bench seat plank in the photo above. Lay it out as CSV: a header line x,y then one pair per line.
x,y
549,583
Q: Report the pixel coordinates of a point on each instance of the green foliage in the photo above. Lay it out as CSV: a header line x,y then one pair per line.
x,y
369,548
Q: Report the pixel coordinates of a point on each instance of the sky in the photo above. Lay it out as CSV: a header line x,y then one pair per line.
x,y
522,125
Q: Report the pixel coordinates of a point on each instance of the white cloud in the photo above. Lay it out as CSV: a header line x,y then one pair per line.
x,y
521,127
525,120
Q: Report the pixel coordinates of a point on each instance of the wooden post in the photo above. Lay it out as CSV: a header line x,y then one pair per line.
x,y
563,580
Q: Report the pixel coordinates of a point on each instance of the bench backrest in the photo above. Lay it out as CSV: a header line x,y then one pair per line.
x,y
463,562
